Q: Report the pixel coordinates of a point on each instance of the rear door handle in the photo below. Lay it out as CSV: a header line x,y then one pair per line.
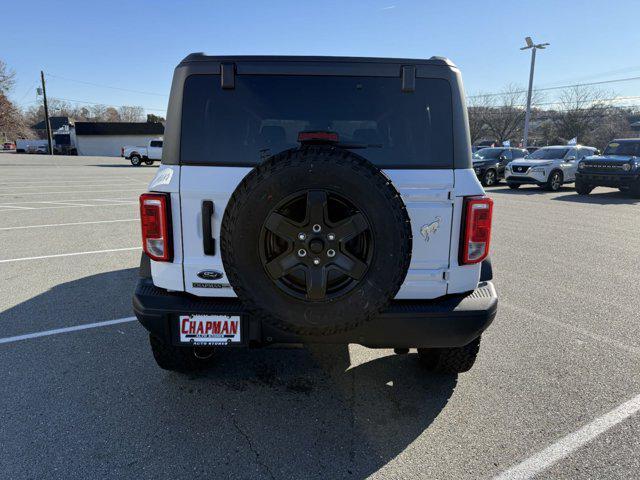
x,y
208,242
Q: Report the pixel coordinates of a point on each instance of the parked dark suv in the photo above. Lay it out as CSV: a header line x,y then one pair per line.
x,y
489,163
618,167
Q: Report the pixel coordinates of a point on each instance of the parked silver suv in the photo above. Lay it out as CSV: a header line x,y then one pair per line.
x,y
547,167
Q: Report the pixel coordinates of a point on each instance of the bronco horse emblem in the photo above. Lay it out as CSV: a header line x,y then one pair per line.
x,y
430,229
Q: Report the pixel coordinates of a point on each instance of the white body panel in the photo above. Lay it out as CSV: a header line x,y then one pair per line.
x,y
169,274
433,199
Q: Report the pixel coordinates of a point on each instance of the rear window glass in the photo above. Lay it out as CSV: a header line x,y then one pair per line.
x,y
264,114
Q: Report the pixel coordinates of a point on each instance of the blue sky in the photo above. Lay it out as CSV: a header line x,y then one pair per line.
x,y
136,44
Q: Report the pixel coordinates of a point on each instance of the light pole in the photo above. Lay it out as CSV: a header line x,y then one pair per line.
x,y
527,116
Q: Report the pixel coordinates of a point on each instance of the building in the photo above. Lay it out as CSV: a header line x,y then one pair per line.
x,y
56,123
107,138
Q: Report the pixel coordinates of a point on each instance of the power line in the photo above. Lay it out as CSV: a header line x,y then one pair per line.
x,y
106,86
27,92
585,78
602,82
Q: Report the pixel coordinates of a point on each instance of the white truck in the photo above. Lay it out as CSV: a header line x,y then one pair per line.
x,y
148,154
31,145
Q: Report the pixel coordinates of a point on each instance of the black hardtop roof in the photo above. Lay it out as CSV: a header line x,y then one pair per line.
x,y
119,128
201,57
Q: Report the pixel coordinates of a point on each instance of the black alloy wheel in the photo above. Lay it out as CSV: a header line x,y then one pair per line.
x,y
316,245
490,178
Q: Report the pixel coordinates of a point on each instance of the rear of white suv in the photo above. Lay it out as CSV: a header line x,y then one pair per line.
x,y
307,199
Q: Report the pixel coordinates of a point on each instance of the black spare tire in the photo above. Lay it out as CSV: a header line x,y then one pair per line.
x,y
316,240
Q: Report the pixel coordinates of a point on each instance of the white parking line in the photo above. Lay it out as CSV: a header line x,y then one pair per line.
x,y
68,206
138,189
56,331
114,199
67,203
16,208
103,184
23,259
567,445
22,227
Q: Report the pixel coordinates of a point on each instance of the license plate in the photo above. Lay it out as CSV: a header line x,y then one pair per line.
x,y
209,329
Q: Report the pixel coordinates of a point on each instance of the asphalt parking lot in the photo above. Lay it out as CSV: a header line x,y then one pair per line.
x,y
554,391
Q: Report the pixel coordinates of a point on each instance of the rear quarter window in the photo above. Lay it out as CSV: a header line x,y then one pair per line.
x,y
263,115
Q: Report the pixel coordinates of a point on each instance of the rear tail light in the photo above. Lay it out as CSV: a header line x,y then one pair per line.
x,y
155,216
476,236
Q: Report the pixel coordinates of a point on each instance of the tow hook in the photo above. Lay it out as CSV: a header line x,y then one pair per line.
x,y
400,351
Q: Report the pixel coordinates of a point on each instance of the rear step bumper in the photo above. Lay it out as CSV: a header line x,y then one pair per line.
x,y
450,321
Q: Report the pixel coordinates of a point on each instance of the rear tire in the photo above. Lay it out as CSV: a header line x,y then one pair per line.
x,y
583,189
490,178
450,360
554,182
148,162
513,186
180,359
136,161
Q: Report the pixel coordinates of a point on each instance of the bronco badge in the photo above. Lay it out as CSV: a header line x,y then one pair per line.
x,y
430,229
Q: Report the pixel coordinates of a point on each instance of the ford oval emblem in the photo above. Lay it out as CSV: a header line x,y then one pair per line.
x,y
210,275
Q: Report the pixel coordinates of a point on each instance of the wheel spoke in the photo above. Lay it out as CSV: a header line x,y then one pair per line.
x,y
350,265
316,207
349,228
282,226
282,264
316,283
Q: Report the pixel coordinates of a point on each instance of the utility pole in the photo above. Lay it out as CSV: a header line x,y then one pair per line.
x,y
527,116
46,114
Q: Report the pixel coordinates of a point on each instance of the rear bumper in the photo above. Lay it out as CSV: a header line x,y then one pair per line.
x,y
450,321
608,179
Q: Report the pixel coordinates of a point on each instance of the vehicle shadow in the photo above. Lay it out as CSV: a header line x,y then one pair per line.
x,y
307,413
503,189
95,298
296,412
604,198
126,165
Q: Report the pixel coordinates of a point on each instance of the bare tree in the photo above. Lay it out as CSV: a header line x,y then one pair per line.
x,y
7,78
503,114
476,112
131,114
12,122
581,110
614,123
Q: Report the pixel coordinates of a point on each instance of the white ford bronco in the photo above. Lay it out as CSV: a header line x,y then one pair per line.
x,y
316,199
